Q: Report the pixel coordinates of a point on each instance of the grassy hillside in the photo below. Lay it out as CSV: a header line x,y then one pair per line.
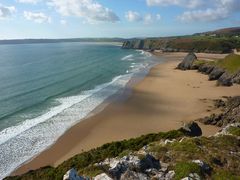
x,y
84,161
195,43
231,63
179,154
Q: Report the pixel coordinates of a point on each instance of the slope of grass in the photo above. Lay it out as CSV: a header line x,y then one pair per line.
x,y
231,63
84,161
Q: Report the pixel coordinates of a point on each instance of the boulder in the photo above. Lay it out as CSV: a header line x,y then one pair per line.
x,y
231,114
149,162
102,176
216,73
204,166
206,68
131,175
187,62
191,129
236,78
72,175
133,162
170,175
225,80
192,176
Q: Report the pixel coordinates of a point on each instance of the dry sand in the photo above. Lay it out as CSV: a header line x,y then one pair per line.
x,y
162,101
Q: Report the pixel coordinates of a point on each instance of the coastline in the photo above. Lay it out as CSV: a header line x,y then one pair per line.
x,y
145,111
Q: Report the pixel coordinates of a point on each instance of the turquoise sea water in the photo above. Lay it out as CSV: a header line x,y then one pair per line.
x,y
47,88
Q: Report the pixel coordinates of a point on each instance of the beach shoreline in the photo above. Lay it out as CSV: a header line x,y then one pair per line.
x,y
155,100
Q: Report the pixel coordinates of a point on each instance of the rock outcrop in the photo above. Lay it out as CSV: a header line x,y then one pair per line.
x,y
192,129
225,80
72,175
187,62
216,73
230,115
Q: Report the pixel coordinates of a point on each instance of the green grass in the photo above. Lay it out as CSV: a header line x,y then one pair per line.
x,y
84,162
231,63
234,131
183,169
225,175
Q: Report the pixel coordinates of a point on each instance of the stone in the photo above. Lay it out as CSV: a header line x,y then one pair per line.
x,y
204,166
170,175
120,166
225,80
131,175
102,176
206,68
72,175
191,129
216,73
236,78
149,162
187,62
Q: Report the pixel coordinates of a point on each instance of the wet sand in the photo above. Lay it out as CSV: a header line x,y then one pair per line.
x,y
162,101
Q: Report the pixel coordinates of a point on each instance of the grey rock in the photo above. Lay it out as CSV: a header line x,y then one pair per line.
x,y
102,176
149,162
225,80
72,175
187,62
170,175
119,167
191,129
230,115
131,175
236,78
206,68
204,166
216,73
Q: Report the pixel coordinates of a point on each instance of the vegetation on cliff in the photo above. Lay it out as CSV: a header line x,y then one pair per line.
x,y
206,44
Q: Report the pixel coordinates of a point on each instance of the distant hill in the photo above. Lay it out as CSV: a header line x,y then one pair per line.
x,y
218,41
233,31
33,41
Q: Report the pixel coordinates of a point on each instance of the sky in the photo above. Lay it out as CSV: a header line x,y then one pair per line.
x,y
21,19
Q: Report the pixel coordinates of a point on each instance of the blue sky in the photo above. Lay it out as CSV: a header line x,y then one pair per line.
x,y
114,18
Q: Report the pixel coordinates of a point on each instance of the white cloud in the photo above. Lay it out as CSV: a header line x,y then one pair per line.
x,y
63,22
219,9
29,1
90,10
37,17
203,15
183,3
133,16
6,11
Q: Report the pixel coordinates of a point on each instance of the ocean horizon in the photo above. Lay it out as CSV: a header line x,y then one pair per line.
x,y
48,88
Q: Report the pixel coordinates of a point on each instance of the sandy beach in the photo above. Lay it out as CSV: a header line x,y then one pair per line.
x,y
162,101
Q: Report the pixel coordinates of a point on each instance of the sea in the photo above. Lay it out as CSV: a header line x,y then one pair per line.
x,y
45,89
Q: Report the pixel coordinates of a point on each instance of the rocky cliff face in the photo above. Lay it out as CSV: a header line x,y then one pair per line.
x,y
183,44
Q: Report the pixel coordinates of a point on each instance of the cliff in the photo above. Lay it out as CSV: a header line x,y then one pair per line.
x,y
205,44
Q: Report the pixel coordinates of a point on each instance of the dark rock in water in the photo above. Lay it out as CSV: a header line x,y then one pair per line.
x,y
131,175
191,129
216,73
206,68
225,80
187,62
